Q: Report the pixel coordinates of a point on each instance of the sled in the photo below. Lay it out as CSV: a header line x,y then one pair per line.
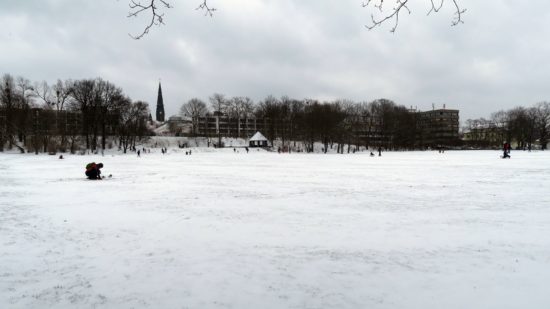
x,y
103,177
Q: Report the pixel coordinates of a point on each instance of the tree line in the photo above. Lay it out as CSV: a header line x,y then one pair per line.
x,y
344,123
68,115
525,126
92,114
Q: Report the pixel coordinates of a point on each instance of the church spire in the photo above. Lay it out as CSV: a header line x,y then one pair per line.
x,y
160,106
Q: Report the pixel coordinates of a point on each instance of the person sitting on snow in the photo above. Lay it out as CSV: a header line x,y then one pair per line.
x,y
93,171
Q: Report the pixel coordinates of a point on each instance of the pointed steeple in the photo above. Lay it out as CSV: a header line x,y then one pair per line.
x,y
160,106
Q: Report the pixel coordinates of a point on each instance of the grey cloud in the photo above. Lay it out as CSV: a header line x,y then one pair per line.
x,y
305,49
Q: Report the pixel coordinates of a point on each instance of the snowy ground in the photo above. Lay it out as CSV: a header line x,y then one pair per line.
x,y
267,230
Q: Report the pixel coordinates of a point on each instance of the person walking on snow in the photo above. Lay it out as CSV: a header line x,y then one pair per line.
x,y
506,151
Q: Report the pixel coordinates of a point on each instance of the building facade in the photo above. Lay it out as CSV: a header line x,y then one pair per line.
x,y
228,127
485,135
438,127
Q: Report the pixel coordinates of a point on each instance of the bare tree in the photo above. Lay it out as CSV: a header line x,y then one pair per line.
x,y
84,95
219,105
269,110
501,119
133,118
26,94
8,105
234,111
110,98
402,6
44,92
543,123
62,92
519,125
247,107
194,108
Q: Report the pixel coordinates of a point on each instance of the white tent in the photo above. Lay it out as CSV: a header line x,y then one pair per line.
x,y
258,140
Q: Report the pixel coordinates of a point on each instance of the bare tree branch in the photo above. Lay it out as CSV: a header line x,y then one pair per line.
x,y
402,5
138,7
208,11
157,18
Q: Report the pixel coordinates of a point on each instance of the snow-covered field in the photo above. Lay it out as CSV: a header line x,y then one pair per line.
x,y
267,230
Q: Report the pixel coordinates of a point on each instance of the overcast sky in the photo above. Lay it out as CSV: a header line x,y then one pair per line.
x,y
316,49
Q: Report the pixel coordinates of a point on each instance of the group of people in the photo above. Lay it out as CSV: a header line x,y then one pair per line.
x,y
163,150
139,151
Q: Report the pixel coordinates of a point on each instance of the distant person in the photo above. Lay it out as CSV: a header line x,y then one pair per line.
x,y
93,171
246,148
506,151
189,152
139,153
379,151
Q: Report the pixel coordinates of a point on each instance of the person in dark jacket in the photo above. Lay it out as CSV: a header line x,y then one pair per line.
x,y
506,151
93,171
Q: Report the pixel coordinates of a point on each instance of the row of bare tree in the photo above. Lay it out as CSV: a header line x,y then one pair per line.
x,y
341,122
525,126
69,114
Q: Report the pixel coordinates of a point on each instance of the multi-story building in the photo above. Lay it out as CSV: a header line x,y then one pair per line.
x,y
485,135
437,127
228,127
